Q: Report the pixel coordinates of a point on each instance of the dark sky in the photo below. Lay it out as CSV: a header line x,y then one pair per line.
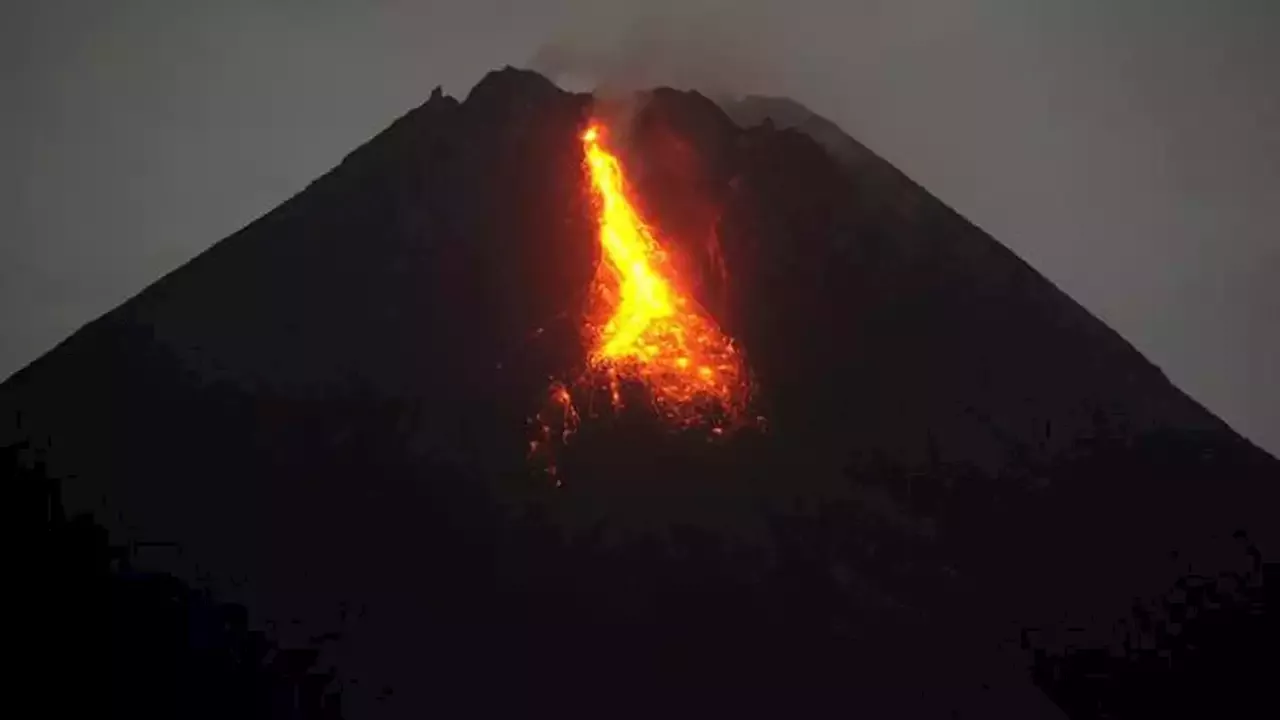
x,y
1128,149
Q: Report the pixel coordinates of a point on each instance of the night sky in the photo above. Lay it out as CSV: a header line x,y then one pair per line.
x,y
1129,151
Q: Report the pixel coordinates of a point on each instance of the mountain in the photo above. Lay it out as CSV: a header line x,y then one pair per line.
x,y
967,495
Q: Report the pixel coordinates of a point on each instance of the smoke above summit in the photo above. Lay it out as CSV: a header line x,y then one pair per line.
x,y
714,46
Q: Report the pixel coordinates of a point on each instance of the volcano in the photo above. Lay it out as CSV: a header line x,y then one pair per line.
x,y
954,492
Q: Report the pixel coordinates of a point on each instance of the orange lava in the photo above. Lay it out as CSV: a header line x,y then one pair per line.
x,y
646,328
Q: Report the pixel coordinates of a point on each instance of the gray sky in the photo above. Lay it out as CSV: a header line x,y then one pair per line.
x,y
1128,149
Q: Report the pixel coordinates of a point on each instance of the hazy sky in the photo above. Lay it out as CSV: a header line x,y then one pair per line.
x,y
1128,149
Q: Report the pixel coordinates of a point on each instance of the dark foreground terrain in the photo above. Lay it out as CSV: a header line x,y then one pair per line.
x,y
290,478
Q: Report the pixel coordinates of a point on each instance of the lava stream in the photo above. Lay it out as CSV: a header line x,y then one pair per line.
x,y
645,326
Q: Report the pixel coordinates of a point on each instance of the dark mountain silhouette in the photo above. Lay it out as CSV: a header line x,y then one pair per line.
x,y
146,644
971,498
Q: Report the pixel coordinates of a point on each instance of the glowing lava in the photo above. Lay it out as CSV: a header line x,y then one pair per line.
x,y
642,328
646,328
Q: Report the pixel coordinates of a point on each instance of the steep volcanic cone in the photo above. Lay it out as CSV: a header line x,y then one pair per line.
x,y
644,326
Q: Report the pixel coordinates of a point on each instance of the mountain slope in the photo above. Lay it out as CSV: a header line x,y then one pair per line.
x,y
328,412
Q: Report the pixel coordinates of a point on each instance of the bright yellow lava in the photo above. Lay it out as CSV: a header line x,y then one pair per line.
x,y
649,329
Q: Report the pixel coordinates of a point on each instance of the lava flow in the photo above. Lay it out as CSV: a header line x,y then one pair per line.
x,y
647,328
642,327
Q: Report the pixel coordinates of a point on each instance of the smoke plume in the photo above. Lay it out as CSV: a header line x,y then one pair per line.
x,y
613,48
